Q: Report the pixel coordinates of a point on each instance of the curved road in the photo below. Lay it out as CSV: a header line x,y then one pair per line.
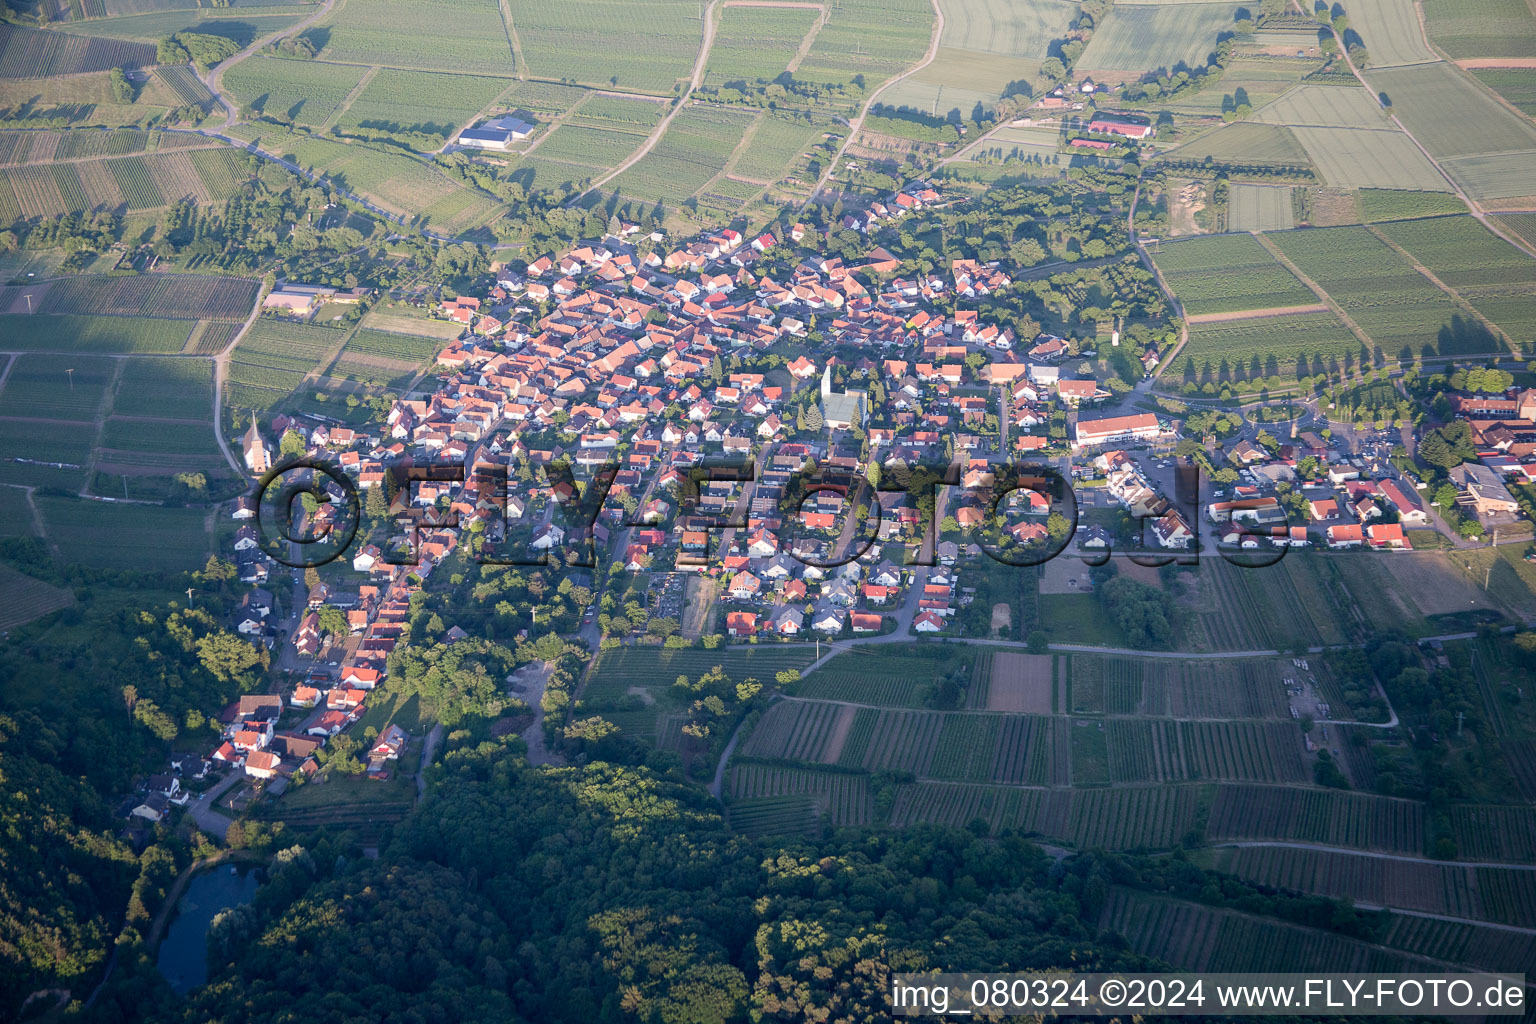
x,y
858,122
699,64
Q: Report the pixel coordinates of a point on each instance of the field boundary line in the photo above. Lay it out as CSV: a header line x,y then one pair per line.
x,y
346,103
1318,290
1456,297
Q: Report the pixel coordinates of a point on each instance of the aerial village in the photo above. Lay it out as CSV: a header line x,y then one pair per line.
x,y
629,382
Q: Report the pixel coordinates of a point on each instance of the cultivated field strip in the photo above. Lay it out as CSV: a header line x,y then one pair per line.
x,y
177,296
1498,895
794,731
1326,817
1491,949
1225,273
842,796
1494,833
1110,819
1198,938
1251,688
30,53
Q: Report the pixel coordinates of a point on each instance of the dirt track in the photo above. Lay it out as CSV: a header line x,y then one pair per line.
x,y
1255,314
1497,62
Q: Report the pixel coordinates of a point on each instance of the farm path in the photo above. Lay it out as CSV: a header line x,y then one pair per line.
x,y
699,64
434,736
857,123
1516,929
215,76
810,37
1377,855
37,514
519,63
220,371
99,421
1472,204
1316,289
1429,275
1255,314
346,104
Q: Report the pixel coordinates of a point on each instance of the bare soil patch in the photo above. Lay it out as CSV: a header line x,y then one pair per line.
x,y
834,748
1435,586
1255,314
1021,683
1002,616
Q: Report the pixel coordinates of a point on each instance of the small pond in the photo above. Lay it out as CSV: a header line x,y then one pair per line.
x,y
183,958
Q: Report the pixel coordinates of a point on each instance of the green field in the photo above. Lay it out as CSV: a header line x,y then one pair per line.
x,y
42,387
1224,352
1489,150
1146,37
1245,144
574,41
869,39
655,667
273,358
421,103
694,149
1225,273
176,296
1390,31
464,35
299,92
44,441
64,333
1518,87
1388,204
1496,278
116,536
756,44
1326,107
381,358
22,597
1481,28
174,388
1256,80
986,46
1260,208
1368,158
1402,312
776,147
403,185
576,153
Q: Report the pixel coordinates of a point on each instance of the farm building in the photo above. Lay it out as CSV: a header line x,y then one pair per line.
x,y
1119,124
498,133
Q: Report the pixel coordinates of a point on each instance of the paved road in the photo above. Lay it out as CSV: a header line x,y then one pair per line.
x,y
201,810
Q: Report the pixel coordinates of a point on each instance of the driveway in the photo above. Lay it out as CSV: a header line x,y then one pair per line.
x,y
202,809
